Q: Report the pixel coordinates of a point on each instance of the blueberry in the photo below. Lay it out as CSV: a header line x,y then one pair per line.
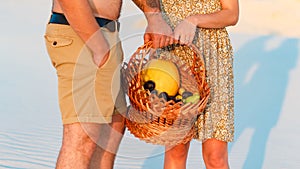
x,y
163,95
154,92
149,85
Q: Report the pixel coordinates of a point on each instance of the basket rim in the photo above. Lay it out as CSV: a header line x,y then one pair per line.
x,y
146,48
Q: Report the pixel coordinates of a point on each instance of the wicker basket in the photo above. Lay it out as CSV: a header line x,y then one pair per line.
x,y
153,119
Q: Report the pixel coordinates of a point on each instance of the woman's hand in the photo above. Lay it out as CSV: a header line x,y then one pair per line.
x,y
185,31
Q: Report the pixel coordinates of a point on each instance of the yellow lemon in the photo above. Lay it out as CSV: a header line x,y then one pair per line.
x,y
164,74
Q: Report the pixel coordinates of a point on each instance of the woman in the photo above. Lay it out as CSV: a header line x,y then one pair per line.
x,y
201,22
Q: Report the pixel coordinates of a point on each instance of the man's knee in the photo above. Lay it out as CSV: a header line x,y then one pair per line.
x,y
80,137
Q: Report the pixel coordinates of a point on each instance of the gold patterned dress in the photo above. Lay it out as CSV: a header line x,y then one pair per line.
x,y
218,119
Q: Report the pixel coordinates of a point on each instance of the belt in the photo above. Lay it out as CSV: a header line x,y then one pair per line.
x,y
111,25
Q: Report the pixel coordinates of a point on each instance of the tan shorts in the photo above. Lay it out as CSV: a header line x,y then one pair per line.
x,y
86,93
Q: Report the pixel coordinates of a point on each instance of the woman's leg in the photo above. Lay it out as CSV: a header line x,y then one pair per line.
x,y
175,156
215,154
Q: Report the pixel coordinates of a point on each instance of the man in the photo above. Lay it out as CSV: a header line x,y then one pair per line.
x,y
83,44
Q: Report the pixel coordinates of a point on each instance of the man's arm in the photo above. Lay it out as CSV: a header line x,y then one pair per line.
x,y
157,30
148,6
80,16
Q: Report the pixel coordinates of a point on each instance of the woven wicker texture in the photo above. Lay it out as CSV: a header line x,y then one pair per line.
x,y
153,119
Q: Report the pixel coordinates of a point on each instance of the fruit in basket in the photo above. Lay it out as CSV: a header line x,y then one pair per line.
x,y
192,99
155,92
181,90
178,97
149,85
164,95
186,94
164,74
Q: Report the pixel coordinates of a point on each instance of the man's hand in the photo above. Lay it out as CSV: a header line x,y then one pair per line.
x,y
185,31
101,57
158,31
85,25
99,48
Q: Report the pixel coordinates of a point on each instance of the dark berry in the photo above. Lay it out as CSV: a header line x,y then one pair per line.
x,y
149,85
171,98
163,95
155,92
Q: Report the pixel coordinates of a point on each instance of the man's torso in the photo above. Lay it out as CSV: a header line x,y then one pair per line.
x,y
109,9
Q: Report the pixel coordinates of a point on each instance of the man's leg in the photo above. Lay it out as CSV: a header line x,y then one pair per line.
x,y
108,143
78,145
215,154
175,157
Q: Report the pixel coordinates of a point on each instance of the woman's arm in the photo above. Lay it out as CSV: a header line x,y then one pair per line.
x,y
227,16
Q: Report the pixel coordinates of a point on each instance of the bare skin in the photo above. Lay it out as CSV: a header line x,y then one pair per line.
x,y
90,145
81,13
215,154
161,34
157,31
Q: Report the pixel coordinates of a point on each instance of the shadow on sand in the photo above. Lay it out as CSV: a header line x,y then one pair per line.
x,y
262,69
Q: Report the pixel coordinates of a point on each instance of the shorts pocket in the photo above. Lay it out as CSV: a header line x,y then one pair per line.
x,y
59,48
57,42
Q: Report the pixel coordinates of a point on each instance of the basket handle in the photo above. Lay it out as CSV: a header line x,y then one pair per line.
x,y
147,47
